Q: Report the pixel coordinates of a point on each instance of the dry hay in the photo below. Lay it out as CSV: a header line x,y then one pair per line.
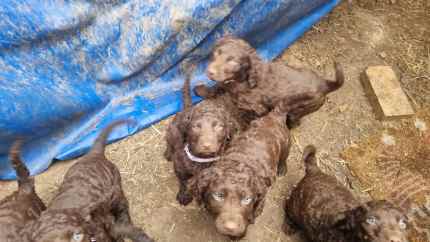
x,y
394,164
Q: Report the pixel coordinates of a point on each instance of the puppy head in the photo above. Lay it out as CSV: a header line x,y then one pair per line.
x,y
67,225
233,198
379,221
231,60
55,226
208,132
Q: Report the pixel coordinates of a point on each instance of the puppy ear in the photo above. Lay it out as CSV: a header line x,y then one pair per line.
x,y
352,219
177,133
245,64
185,120
199,185
261,185
258,208
341,222
100,205
87,212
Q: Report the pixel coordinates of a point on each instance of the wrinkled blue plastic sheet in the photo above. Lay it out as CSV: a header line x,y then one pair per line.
x,y
68,68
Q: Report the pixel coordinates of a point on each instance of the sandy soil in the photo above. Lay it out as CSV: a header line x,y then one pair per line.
x,y
374,32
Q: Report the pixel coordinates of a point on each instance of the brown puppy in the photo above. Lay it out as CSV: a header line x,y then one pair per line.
x,y
198,135
257,86
234,188
90,205
327,212
23,205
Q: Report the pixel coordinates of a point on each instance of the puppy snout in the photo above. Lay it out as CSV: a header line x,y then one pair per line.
x,y
232,227
206,146
396,240
211,72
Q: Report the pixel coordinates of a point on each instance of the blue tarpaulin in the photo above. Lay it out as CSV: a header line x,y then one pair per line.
x,y
68,68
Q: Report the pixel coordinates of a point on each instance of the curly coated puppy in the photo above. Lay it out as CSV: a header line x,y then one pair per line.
x,y
198,135
327,212
90,204
234,188
22,206
257,86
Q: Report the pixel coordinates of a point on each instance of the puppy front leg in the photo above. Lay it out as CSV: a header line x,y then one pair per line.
x,y
121,211
133,233
184,196
289,227
282,167
208,92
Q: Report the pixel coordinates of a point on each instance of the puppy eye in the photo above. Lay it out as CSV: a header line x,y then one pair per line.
x,y
197,126
246,201
230,58
371,220
402,224
78,237
218,196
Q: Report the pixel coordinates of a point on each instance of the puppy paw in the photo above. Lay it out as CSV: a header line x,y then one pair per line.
x,y
143,238
202,91
292,122
289,228
184,198
282,170
167,155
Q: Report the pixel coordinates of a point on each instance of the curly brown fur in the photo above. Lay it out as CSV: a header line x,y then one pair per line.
x,y
22,206
257,86
206,128
327,212
234,188
90,203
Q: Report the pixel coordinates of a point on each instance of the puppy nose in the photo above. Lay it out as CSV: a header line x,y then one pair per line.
x,y
231,226
206,146
211,72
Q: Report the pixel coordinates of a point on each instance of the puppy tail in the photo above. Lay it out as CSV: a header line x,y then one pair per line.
x,y
186,93
332,85
310,159
23,174
291,103
100,142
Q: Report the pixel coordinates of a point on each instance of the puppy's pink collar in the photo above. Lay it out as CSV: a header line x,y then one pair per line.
x,y
198,159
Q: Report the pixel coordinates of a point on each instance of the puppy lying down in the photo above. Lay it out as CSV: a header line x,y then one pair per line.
x,y
327,212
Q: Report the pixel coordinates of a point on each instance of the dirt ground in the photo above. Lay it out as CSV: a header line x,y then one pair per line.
x,y
388,32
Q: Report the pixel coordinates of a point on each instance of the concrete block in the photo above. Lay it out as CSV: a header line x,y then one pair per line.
x,y
385,93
